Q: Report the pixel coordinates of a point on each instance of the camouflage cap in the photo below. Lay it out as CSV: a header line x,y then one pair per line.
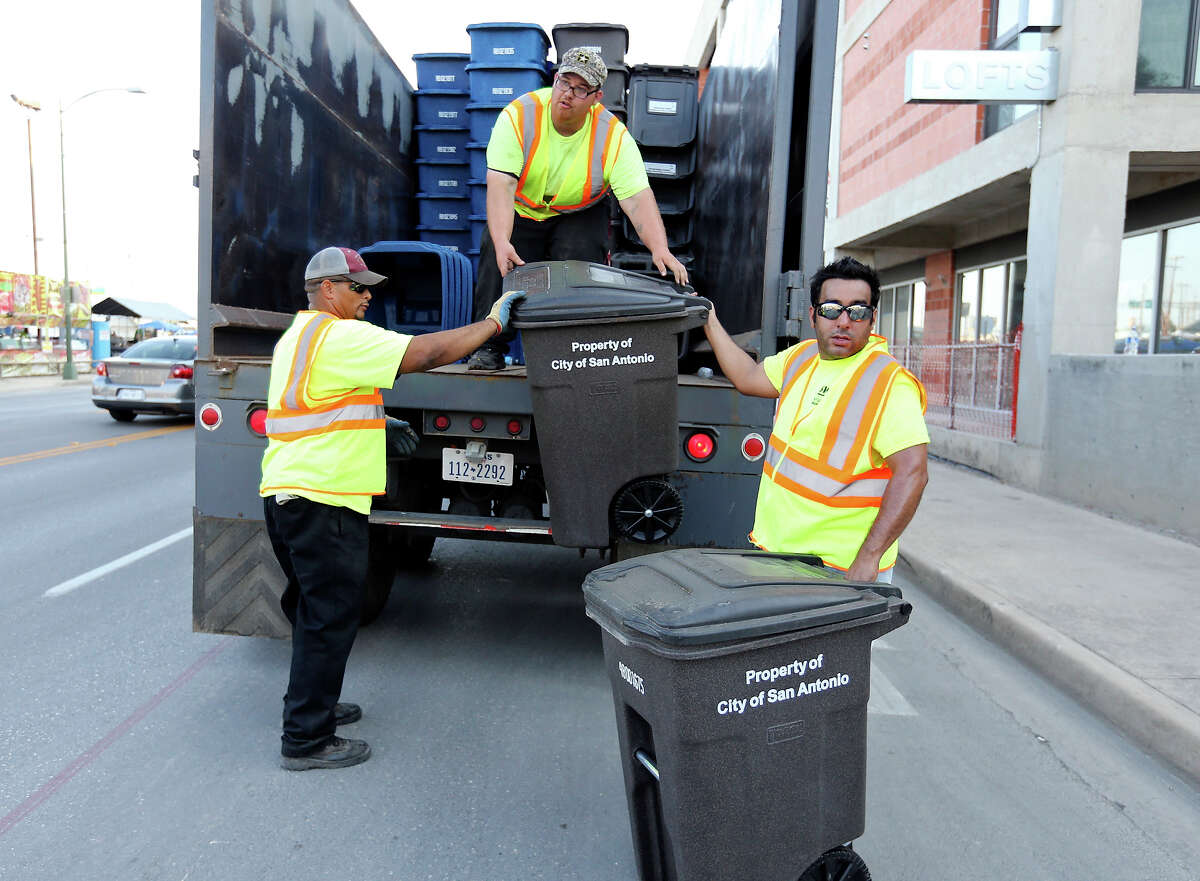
x,y
586,63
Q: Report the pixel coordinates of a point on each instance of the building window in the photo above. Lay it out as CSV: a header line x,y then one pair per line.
x,y
1168,45
989,304
1005,37
1158,293
900,318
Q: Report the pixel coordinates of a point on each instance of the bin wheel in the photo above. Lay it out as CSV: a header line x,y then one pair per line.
x,y
647,511
837,864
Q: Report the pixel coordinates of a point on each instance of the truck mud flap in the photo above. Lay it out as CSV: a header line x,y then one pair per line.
x,y
237,581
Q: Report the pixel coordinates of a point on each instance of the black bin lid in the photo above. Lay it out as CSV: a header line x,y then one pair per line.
x,y
579,292
695,596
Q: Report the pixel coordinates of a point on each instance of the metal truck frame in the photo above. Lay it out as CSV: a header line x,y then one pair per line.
x,y
306,134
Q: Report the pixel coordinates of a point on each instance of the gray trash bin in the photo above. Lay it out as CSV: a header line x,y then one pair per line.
x,y
741,681
602,358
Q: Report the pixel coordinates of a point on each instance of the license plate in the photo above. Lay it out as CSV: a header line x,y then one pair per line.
x,y
496,468
131,394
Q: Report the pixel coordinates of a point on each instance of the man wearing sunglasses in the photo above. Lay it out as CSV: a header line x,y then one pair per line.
x,y
846,463
325,460
553,157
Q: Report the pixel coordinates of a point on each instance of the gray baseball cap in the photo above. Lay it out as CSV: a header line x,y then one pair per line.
x,y
586,63
332,261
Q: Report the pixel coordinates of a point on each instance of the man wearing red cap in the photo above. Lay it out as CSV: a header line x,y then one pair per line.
x,y
325,461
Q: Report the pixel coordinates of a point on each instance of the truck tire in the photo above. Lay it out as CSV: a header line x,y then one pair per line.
x,y
413,551
390,550
381,573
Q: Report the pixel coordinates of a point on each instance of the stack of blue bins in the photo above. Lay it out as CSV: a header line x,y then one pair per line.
x,y
508,59
429,287
443,169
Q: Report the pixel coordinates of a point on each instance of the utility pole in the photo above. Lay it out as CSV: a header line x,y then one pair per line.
x,y
31,105
68,371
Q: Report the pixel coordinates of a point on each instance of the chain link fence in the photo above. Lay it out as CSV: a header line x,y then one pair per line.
x,y
971,387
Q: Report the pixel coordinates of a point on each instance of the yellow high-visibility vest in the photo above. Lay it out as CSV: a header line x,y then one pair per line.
x,y
584,184
819,494
330,449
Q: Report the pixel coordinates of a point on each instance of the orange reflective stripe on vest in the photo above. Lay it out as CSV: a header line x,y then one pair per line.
x,y
529,116
828,478
575,196
298,414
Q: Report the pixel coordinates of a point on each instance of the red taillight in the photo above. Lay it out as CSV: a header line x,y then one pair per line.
x,y
101,369
477,423
441,422
753,446
514,427
700,446
181,371
258,421
210,416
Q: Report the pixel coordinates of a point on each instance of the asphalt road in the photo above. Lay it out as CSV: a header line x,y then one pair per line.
x,y
140,750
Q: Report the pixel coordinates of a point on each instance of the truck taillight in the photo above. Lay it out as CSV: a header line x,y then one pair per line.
x,y
477,423
514,427
101,369
210,416
753,446
257,420
181,371
700,446
441,422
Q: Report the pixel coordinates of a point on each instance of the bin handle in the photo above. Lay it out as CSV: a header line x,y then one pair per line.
x,y
647,762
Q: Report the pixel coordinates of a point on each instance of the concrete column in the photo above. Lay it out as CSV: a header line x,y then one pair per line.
x,y
1076,220
1077,200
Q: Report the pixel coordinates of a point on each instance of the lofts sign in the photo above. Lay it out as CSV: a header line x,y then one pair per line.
x,y
984,76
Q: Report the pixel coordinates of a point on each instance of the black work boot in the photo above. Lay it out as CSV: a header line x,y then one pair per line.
x,y
337,753
345,714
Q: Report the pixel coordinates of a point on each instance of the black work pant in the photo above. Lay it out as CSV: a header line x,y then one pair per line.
x,y
323,552
580,235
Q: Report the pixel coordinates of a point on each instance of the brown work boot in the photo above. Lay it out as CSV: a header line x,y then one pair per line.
x,y
337,753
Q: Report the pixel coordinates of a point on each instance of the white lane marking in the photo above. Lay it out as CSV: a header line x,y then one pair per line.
x,y
100,571
886,699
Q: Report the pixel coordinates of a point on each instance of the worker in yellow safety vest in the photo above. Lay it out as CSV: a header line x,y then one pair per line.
x,y
325,461
846,464
553,157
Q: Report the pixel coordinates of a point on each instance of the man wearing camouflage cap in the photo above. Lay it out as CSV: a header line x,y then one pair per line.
x,y
553,157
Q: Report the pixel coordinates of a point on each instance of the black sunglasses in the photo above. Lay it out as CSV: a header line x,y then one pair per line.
x,y
357,286
856,311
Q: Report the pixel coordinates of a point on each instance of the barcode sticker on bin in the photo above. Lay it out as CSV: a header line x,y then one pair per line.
x,y
663,169
447,216
445,78
447,183
503,50
502,90
595,49
669,108
447,114
447,148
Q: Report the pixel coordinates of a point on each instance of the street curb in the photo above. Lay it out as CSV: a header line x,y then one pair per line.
x,y
1158,723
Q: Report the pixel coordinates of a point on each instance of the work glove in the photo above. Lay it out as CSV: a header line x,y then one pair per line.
x,y
401,439
501,311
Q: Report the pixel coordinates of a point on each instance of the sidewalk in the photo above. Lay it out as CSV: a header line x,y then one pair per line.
x,y
1106,610
40,383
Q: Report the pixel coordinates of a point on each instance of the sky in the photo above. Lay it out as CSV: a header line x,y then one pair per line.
x,y
131,209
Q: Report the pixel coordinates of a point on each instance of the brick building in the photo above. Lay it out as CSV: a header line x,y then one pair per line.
x,y
1041,263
